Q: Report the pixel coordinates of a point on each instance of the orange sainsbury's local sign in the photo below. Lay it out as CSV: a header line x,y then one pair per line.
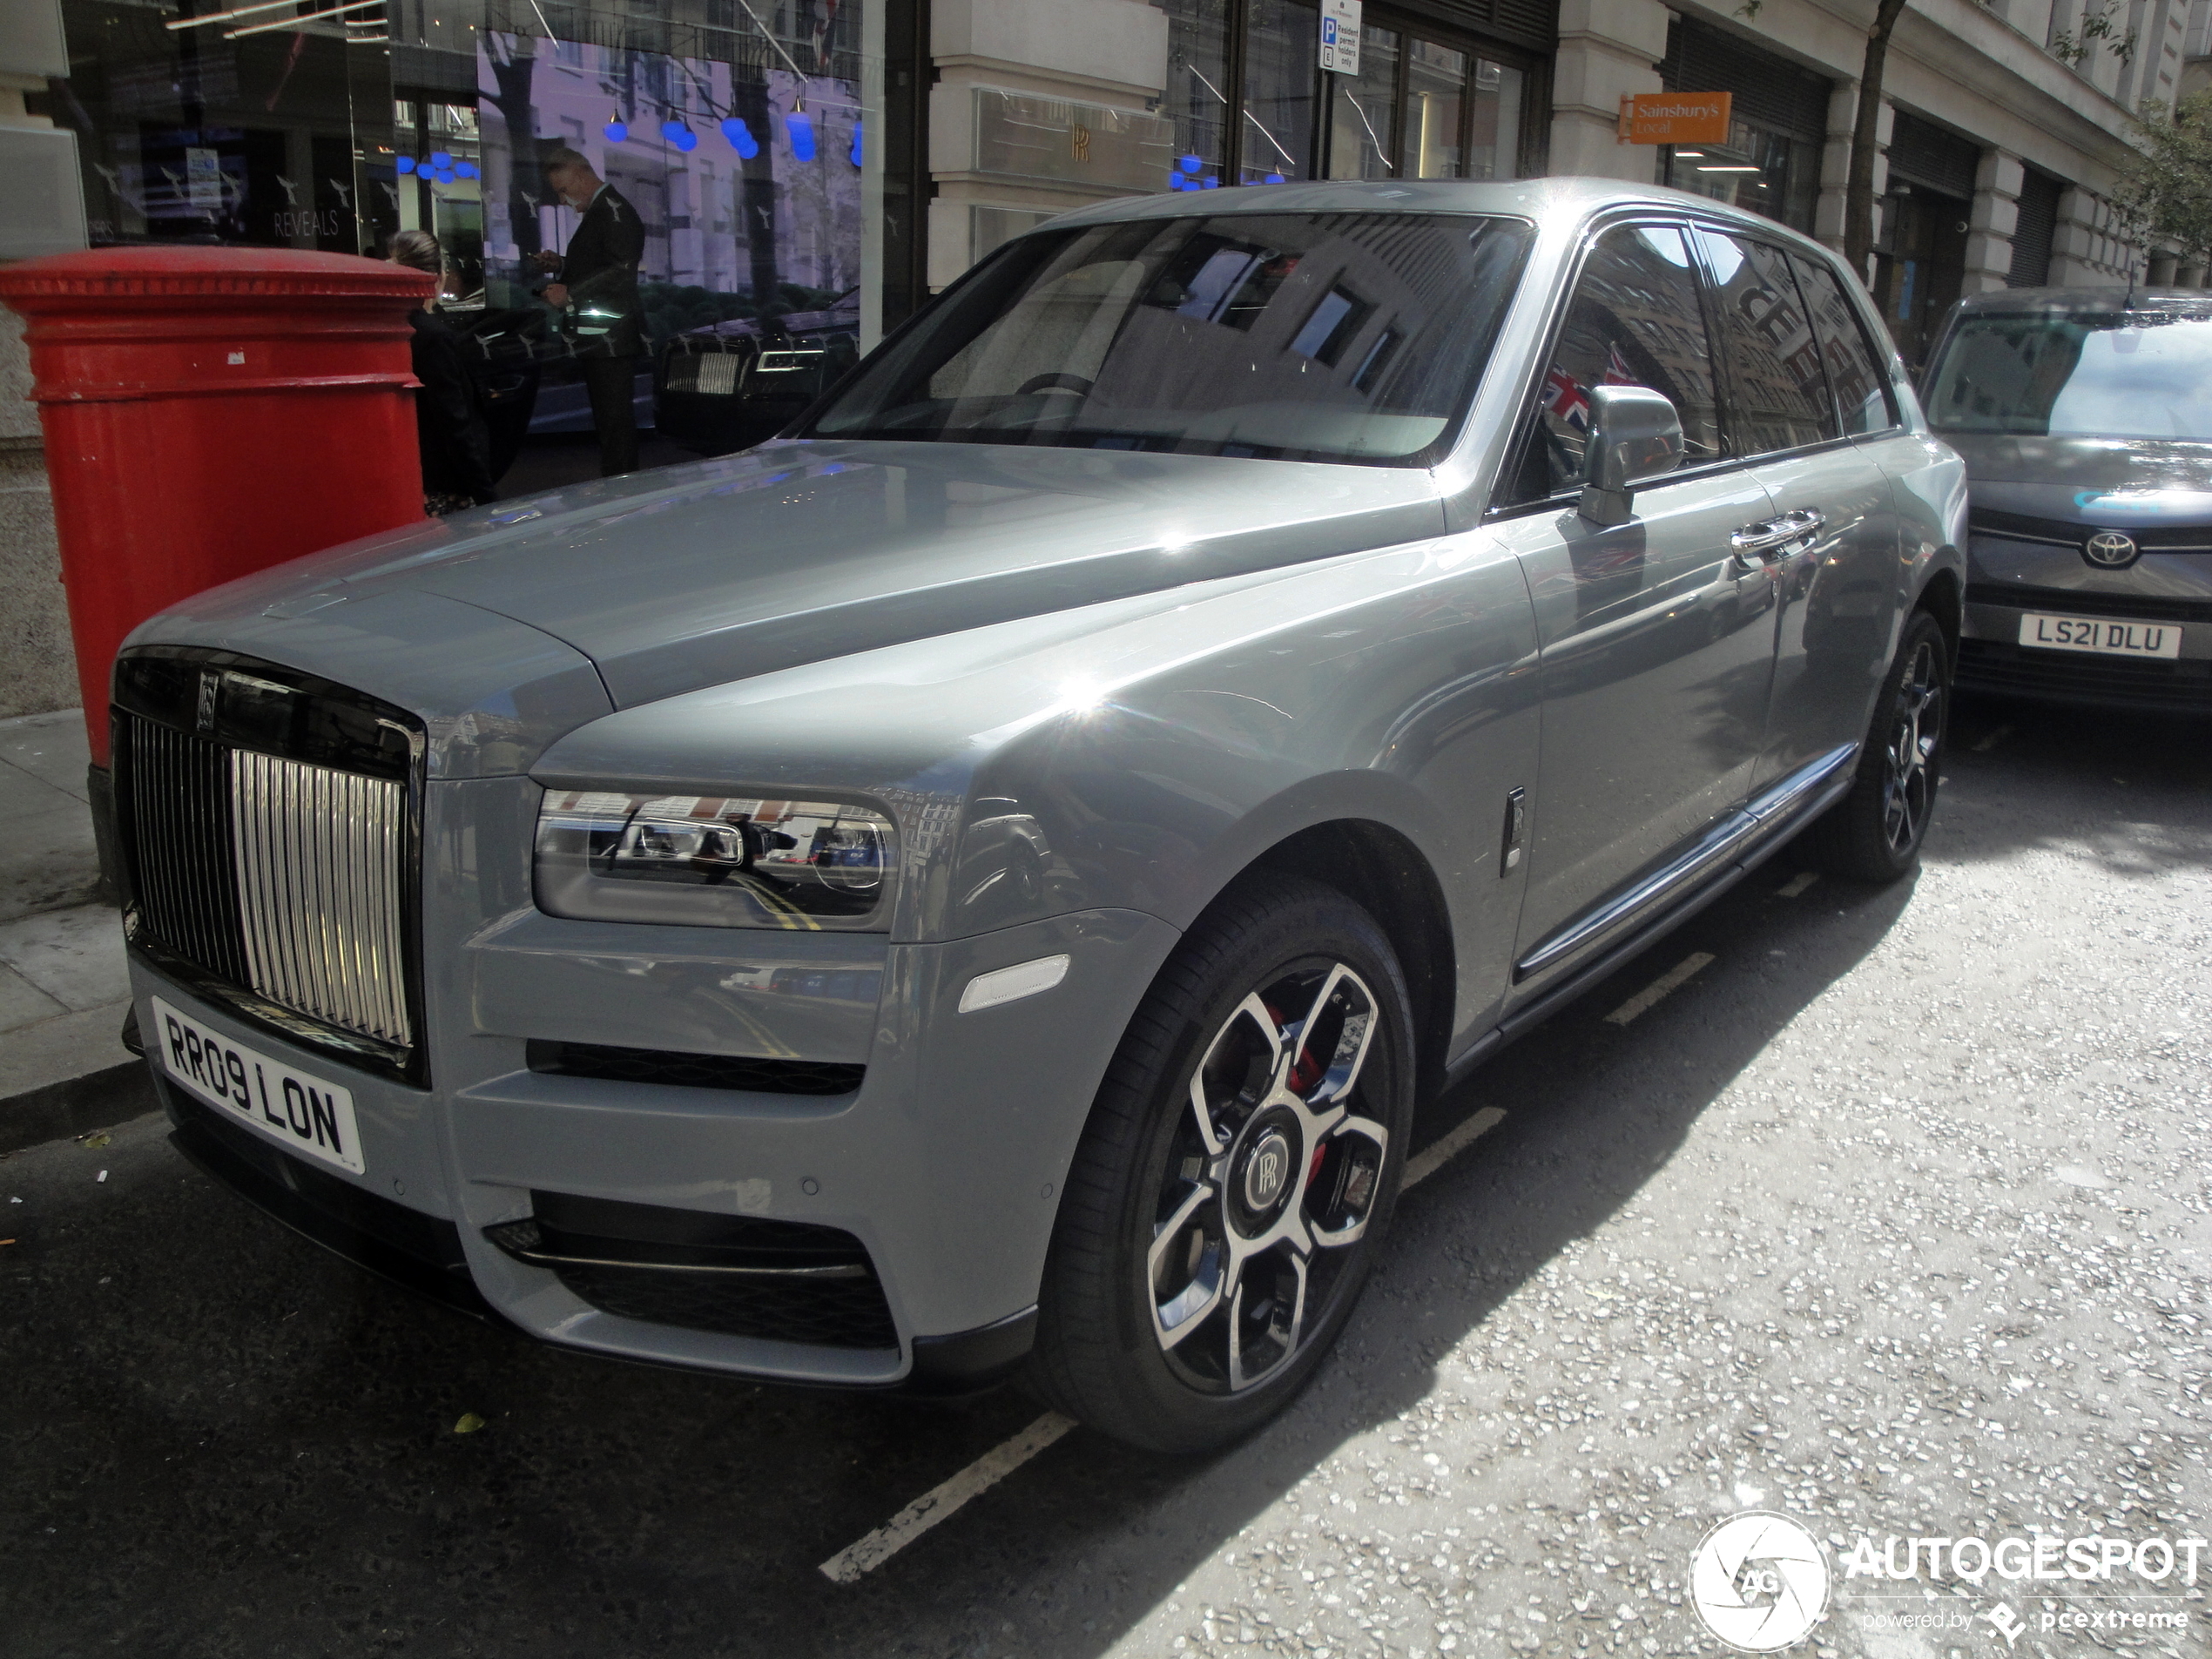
x,y
1675,118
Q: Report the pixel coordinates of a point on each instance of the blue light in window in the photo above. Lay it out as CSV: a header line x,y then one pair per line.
x,y
800,127
740,137
406,166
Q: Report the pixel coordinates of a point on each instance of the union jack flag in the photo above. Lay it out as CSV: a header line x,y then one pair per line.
x,y
1565,398
1569,399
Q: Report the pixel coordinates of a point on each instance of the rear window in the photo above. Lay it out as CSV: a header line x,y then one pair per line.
x,y
1354,337
2111,375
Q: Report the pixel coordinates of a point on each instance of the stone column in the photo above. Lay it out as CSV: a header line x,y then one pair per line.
x,y
1835,164
1996,216
1111,55
2084,253
1607,49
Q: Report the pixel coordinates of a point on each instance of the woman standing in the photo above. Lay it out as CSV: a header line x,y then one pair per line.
x,y
448,427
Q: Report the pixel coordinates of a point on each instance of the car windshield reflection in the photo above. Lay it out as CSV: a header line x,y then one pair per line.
x,y
1325,336
2114,374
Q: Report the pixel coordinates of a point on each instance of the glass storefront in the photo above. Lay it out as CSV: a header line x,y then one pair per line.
x,y
1777,123
737,128
1251,105
1419,109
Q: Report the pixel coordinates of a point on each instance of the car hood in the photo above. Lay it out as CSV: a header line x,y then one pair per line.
x,y
2088,480
798,551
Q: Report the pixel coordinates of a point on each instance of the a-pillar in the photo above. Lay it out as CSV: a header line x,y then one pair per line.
x,y
1606,50
1996,216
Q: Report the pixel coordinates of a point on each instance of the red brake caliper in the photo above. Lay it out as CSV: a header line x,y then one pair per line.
x,y
1306,1071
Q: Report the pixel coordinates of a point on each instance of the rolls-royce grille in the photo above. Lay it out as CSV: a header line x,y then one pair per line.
x,y
180,815
269,852
319,879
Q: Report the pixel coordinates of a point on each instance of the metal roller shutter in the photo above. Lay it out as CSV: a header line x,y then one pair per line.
x,y
1769,90
1922,153
2038,228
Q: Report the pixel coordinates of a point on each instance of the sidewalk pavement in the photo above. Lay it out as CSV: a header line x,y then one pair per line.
x,y
64,988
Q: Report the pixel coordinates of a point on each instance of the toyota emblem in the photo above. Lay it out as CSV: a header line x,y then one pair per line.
x,y
2110,549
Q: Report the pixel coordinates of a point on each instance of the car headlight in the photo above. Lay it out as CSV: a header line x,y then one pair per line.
x,y
713,861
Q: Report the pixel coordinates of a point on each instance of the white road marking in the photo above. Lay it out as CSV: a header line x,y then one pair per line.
x,y
924,1512
851,1563
1796,885
1671,980
1429,1160
1992,740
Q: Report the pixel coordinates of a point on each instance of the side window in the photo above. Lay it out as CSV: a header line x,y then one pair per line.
x,y
1854,366
1634,320
1781,400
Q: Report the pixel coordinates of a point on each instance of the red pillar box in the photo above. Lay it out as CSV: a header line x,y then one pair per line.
x,y
210,412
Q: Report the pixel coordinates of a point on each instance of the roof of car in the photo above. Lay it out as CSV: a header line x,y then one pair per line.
x,y
2012,301
1537,199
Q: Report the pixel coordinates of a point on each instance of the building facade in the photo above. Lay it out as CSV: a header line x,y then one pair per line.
x,y
791,155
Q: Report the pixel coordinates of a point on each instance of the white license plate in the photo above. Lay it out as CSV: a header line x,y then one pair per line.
x,y
2106,636
306,1114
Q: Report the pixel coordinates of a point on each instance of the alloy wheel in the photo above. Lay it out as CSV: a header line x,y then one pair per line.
x,y
1908,783
1270,1178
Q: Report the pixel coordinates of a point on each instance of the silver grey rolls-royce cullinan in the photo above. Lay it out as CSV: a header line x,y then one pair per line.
x,y
978,883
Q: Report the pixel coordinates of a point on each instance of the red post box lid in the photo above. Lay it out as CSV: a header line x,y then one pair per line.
x,y
203,273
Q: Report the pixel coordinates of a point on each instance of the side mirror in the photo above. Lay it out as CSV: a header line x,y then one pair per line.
x,y
1635,434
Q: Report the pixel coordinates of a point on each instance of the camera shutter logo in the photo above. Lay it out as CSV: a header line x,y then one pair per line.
x,y
1759,1582
2110,548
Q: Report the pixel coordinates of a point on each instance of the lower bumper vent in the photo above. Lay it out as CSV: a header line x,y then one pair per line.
x,y
746,1276
693,1070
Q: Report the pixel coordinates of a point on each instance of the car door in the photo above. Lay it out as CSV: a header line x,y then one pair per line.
x,y
1831,546
1656,645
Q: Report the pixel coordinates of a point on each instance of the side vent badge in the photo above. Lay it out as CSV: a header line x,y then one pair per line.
x,y
1516,828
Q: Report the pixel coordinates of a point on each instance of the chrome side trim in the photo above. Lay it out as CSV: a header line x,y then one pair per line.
x,y
1720,842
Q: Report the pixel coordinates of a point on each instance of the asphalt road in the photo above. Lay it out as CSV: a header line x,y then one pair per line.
x,y
1892,1218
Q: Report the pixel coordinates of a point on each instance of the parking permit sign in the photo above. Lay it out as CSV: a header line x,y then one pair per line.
x,y
1340,36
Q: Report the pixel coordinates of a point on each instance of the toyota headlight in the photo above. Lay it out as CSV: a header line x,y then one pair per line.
x,y
713,861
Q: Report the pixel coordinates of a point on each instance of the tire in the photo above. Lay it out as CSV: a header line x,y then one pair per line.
x,y
1874,833
1201,1267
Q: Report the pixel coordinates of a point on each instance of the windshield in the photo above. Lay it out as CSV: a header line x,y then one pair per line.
x,y
1290,336
2105,374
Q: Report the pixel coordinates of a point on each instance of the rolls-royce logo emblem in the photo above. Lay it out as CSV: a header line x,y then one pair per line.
x,y
1267,1170
1079,143
2110,548
210,683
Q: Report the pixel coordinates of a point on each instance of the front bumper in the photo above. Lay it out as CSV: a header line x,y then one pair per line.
x,y
1991,658
946,1163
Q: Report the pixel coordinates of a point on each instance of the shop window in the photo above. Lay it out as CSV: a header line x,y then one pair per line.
x,y
1419,110
1196,97
1276,142
1363,120
1769,172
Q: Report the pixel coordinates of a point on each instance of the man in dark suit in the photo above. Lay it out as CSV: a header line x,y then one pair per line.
x,y
598,295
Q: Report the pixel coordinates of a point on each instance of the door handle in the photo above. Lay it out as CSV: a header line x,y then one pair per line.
x,y
1754,545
